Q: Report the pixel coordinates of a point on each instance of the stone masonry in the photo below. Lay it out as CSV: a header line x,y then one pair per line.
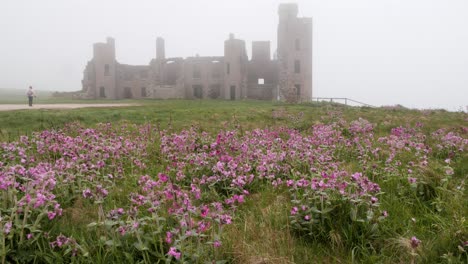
x,y
233,76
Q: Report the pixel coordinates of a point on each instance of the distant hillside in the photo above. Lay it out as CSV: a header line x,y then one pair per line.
x,y
12,96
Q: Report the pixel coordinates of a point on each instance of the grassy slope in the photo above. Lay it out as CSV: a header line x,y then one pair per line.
x,y
258,235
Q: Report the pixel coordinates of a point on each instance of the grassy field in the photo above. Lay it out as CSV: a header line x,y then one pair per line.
x,y
215,115
418,160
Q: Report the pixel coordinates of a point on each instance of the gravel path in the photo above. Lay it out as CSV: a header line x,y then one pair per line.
x,y
10,107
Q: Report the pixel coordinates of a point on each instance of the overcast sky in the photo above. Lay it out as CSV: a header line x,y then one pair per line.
x,y
382,52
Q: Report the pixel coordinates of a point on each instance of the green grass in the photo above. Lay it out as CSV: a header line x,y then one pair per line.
x,y
258,235
214,115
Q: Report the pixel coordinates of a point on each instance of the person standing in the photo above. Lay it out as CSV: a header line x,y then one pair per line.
x,y
30,95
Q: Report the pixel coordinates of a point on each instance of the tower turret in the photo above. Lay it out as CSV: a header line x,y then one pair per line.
x,y
294,54
105,69
160,49
235,69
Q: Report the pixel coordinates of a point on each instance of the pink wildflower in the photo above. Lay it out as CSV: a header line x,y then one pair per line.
x,y
168,237
294,210
51,215
204,211
415,242
217,243
7,227
40,200
122,230
173,252
87,193
163,177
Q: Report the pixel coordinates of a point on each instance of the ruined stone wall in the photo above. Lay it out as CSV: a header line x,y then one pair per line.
x,y
88,83
203,77
133,82
262,72
166,78
166,92
172,71
261,91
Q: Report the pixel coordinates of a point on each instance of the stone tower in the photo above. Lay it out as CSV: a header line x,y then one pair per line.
x,y
294,54
160,49
105,70
235,69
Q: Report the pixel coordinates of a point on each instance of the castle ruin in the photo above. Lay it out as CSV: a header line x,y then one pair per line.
x,y
232,76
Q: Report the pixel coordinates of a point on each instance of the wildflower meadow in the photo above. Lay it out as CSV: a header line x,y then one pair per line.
x,y
280,184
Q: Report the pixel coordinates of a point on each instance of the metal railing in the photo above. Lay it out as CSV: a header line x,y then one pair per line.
x,y
340,100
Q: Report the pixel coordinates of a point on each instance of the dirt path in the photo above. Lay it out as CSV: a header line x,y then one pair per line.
x,y
10,107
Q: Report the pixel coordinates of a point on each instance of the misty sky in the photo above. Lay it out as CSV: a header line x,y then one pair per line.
x,y
382,52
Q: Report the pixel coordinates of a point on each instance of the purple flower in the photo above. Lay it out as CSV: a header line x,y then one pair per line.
x,y
51,215
122,230
62,240
173,252
7,227
240,198
40,200
204,211
100,190
294,210
217,243
226,219
87,193
415,242
163,177
168,237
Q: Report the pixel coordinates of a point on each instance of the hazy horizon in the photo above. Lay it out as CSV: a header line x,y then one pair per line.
x,y
381,52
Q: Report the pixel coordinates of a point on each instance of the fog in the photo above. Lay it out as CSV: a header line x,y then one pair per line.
x,y
381,52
